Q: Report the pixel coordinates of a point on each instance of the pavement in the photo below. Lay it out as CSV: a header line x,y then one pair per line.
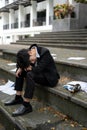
x,y
72,56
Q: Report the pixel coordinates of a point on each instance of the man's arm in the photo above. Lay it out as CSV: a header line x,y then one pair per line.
x,y
18,72
45,61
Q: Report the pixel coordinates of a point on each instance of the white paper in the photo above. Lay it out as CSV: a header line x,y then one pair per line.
x,y
53,54
14,70
54,58
9,91
8,88
76,58
82,84
11,64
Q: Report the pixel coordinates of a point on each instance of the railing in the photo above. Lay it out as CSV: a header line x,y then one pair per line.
x,y
25,24
36,22
14,25
42,21
39,21
6,26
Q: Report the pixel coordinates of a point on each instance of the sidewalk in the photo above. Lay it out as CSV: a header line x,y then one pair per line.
x,y
60,54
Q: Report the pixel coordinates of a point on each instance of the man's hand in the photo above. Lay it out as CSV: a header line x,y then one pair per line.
x,y
19,71
28,68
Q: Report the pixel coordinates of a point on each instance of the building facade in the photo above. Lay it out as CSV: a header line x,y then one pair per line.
x,y
24,18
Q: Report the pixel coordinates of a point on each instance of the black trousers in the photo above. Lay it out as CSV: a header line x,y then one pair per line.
x,y
30,80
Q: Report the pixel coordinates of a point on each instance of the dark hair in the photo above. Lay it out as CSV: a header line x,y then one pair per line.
x,y
23,58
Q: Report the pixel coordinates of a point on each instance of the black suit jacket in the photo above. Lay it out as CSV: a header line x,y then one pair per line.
x,y
46,65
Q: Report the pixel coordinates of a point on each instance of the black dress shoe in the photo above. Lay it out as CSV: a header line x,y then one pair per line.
x,y
14,102
22,110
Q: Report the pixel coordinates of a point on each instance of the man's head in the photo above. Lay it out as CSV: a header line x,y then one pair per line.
x,y
23,58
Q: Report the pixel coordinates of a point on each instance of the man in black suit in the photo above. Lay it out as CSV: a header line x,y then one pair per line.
x,y
36,65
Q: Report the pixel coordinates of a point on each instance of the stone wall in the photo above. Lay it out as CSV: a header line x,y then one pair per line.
x,y
65,24
82,15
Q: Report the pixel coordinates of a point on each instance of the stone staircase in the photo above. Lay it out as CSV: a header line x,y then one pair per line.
x,y
67,39
51,101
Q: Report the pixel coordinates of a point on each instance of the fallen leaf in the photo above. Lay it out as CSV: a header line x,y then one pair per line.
x,y
84,128
53,128
49,121
72,125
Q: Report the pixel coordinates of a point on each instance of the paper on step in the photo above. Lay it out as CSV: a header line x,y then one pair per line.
x,y
8,88
54,55
81,83
76,58
14,70
11,64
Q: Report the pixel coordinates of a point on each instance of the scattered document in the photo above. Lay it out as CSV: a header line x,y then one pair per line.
x,y
81,83
10,91
8,88
14,70
11,64
76,58
54,56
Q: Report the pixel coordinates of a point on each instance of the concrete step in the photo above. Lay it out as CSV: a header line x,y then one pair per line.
x,y
52,39
78,41
42,117
51,42
73,33
60,35
75,69
67,32
70,45
57,98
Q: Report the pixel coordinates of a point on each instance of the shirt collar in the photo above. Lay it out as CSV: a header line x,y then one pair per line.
x,y
37,54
